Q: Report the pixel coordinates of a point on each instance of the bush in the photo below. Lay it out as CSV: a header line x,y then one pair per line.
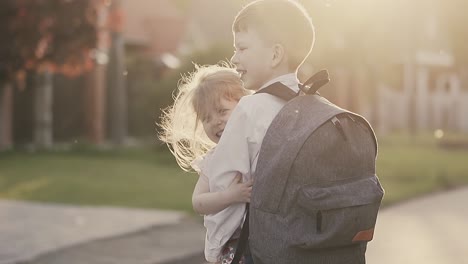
x,y
148,94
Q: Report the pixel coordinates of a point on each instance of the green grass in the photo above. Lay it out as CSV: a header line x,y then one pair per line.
x,y
413,166
149,178
135,178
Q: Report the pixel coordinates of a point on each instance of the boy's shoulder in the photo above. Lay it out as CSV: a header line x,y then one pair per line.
x,y
257,110
259,101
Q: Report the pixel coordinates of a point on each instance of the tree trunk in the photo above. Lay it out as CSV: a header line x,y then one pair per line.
x,y
43,96
97,83
95,112
374,103
409,88
117,91
6,116
356,88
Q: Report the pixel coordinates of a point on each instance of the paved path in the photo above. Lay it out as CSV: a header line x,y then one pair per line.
x,y
428,230
28,230
168,244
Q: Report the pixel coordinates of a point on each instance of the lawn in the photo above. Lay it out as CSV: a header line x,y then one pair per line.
x,y
413,166
149,177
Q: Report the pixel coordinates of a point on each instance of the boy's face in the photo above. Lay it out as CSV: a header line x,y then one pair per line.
x,y
216,121
252,58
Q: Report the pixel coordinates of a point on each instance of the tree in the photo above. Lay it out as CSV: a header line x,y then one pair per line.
x,y
117,88
453,14
48,37
8,62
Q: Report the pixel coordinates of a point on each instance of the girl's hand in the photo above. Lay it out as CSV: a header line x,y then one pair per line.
x,y
238,191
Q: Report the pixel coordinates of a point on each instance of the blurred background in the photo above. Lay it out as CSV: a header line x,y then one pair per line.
x,y
82,85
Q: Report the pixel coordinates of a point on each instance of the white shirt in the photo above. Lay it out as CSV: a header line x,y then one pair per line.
x,y
237,151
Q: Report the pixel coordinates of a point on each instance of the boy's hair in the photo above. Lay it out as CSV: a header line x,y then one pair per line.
x,y
279,21
199,92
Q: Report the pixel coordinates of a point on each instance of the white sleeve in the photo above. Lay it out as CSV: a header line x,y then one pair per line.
x,y
231,155
233,152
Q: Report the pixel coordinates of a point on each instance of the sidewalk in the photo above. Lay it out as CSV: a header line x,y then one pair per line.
x,y
429,230
29,231
169,244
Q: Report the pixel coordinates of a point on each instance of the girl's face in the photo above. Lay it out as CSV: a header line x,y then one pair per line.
x,y
216,121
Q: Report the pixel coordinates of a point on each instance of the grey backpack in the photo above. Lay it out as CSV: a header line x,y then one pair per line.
x,y
316,194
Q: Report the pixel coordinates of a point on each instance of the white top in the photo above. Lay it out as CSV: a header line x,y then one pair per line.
x,y
237,151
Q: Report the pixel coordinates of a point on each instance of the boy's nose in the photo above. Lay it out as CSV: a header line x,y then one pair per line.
x,y
220,121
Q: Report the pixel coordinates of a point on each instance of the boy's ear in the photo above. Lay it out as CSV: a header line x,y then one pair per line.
x,y
278,55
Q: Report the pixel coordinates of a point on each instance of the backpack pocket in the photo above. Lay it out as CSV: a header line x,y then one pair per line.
x,y
338,215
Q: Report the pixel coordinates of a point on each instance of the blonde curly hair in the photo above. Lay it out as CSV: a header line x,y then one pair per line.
x,y
198,93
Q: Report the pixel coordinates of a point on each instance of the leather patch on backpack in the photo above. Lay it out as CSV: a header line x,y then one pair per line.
x,y
365,235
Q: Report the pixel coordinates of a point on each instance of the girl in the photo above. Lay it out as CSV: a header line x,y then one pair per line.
x,y
191,127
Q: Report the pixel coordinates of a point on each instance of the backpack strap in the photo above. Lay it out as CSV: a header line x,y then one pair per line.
x,y
315,82
311,86
279,90
244,237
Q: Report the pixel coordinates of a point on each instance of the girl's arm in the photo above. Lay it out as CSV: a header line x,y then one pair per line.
x,y
206,202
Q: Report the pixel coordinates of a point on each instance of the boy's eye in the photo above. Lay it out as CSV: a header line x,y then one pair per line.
x,y
206,119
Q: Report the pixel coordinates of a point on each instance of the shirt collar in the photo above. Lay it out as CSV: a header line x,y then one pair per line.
x,y
290,80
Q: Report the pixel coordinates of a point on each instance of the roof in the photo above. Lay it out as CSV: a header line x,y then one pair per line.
x,y
159,25
210,22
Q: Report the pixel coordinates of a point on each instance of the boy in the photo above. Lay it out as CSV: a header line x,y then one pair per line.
x,y
267,51
272,38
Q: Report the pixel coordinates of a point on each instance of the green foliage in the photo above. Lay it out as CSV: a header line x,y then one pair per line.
x,y
148,94
56,32
219,52
143,95
183,5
